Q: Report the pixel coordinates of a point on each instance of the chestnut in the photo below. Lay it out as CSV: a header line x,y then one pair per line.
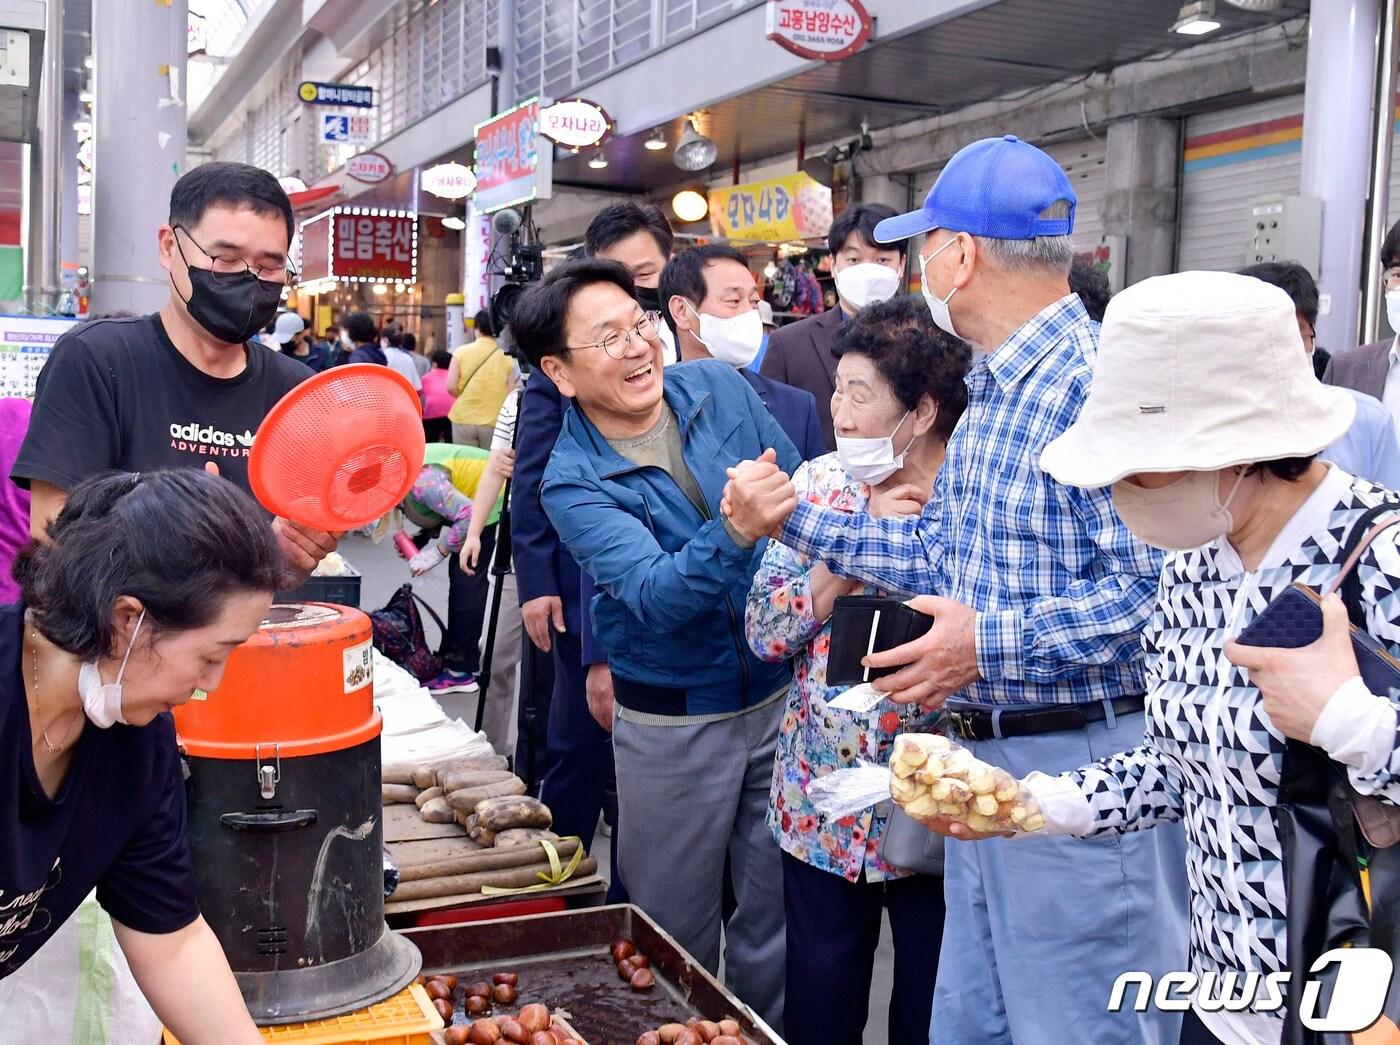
x,y
644,980
726,1039
534,1018
480,989
730,1028
444,1009
669,1032
509,979
457,1035
640,961
477,1005
505,994
484,1032
689,1037
623,948
438,989
625,969
708,1030
543,1037
511,1030
649,1038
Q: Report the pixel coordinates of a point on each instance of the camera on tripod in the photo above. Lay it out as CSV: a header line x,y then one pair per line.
x,y
523,264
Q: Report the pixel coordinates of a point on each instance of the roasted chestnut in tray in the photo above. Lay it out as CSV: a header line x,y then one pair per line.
x,y
509,979
444,1009
477,1005
623,949
480,989
643,980
505,994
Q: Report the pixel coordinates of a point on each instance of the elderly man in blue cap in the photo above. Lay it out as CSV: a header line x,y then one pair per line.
x,y
1035,648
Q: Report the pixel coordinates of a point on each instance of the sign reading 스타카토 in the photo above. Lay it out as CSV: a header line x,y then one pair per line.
x,y
350,94
511,167
828,30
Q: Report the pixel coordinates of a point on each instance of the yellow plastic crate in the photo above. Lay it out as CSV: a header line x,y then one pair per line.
x,y
404,1019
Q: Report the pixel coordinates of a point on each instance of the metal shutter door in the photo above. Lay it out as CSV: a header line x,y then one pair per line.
x,y
1230,158
1086,163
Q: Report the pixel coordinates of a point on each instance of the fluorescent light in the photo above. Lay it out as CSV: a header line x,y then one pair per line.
x,y
657,141
1196,18
599,161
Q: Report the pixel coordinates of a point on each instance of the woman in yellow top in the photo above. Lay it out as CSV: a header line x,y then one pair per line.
x,y
479,377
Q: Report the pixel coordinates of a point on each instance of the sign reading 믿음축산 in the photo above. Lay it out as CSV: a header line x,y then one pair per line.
x,y
25,343
511,165
353,95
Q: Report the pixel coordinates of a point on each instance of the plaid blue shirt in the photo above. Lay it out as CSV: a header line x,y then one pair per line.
x,y
1062,590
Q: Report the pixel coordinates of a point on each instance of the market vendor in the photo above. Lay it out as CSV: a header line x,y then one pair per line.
x,y
147,583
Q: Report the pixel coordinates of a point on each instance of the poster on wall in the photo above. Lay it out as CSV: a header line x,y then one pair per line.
x,y
776,210
511,165
25,344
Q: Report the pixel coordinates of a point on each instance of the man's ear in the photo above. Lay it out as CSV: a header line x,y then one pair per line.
x,y
557,372
680,309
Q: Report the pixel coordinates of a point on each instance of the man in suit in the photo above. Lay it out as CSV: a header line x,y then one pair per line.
x,y
800,354
1372,368
711,306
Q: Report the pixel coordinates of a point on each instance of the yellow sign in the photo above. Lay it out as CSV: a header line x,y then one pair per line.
x,y
307,92
787,208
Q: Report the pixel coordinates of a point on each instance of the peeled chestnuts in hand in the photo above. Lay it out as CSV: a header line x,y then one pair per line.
x,y
932,777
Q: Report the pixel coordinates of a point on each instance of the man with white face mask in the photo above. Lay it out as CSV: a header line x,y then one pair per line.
x,y
1035,644
710,302
866,271
1375,368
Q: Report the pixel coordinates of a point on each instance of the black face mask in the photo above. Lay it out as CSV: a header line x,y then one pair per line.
x,y
649,298
231,307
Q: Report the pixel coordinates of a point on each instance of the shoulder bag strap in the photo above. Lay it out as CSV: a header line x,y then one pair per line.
x,y
1365,530
477,369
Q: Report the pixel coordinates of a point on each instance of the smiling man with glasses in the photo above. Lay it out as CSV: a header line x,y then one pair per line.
x,y
633,489
185,387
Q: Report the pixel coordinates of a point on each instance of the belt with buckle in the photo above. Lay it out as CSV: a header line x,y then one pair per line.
x,y
983,722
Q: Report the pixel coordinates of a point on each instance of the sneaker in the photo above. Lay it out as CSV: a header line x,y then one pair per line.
x,y
449,681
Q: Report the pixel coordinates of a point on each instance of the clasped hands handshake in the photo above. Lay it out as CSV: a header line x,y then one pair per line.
x,y
758,497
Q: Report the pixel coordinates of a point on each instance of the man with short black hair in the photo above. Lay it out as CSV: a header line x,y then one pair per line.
x,y
185,387
633,488
360,339
1373,368
866,271
710,301
1091,284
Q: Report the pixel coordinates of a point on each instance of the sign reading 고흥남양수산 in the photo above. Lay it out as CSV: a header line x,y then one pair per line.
x,y
792,207
828,30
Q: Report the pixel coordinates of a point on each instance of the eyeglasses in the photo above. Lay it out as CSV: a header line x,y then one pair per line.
x,y
617,343
1391,278
234,266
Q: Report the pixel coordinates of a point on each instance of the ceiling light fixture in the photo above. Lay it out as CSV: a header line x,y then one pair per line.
x,y
1196,18
453,222
657,141
695,152
598,161
690,205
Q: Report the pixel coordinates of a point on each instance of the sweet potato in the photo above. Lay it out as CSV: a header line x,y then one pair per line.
x,y
403,793
436,811
467,799
502,814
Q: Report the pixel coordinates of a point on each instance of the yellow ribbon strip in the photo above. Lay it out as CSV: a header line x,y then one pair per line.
x,y
557,874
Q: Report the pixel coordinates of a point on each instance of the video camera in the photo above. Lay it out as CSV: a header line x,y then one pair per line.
x,y
523,264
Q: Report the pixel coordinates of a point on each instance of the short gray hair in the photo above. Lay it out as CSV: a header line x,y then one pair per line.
x,y
1031,256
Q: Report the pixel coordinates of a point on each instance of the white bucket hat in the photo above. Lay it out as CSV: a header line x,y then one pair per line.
x,y
1197,371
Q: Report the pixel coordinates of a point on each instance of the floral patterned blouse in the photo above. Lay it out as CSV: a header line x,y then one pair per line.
x,y
814,739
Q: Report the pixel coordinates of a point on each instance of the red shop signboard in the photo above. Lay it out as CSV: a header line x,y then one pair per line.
x,y
374,245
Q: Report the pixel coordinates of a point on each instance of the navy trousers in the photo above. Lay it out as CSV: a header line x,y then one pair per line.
x,y
833,930
466,608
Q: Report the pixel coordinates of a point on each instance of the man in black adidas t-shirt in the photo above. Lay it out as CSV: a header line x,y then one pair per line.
x,y
185,387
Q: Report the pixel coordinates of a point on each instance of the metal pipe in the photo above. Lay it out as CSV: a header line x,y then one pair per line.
x,y
41,269
1372,298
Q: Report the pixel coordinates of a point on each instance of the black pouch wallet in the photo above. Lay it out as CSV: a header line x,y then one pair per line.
x,y
865,624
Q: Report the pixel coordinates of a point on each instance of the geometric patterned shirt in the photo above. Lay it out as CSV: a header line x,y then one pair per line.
x,y
1061,588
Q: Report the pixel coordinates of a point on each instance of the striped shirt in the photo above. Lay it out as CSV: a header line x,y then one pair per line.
x,y
1061,589
503,436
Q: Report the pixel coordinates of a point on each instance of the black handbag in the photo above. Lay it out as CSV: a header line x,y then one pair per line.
x,y
398,634
1341,862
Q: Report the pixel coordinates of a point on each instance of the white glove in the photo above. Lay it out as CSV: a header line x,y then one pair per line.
x,y
426,559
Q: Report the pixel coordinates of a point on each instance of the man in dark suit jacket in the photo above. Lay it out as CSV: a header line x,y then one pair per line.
x,y
1366,367
711,302
800,354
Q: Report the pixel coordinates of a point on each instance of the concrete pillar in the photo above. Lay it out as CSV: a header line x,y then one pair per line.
x,y
881,188
73,109
1144,157
1337,111
140,147
41,283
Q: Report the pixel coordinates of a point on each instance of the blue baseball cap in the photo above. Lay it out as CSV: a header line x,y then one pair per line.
x,y
996,187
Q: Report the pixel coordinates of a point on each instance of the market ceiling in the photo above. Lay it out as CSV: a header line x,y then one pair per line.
x,y
997,50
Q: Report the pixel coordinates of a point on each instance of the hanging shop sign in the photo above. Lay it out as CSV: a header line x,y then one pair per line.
x,y
828,30
476,240
511,168
788,208
353,95
361,245
345,129
448,181
576,123
369,167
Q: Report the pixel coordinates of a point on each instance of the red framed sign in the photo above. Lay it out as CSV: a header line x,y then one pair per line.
x,y
826,30
360,245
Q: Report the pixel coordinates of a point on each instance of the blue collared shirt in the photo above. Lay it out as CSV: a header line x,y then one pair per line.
x,y
1061,589
1368,448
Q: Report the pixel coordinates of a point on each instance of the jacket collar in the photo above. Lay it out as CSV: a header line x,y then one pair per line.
x,y
1034,339
683,396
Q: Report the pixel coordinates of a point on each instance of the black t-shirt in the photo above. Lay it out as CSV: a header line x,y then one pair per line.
x,y
116,393
117,823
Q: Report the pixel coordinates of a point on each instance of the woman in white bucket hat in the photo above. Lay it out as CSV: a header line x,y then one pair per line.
x,y
1206,420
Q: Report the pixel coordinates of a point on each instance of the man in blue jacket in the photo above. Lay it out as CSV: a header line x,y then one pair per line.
x,y
709,299
633,489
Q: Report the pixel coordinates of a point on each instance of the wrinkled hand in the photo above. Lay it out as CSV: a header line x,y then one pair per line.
x,y
1296,684
506,465
599,691
759,497
538,615
426,559
471,551
904,499
937,664
302,549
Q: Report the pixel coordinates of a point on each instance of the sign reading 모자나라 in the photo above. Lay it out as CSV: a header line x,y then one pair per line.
x,y
336,94
511,167
778,209
828,30
575,124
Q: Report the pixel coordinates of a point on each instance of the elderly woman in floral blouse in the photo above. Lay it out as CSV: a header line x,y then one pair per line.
x,y
899,393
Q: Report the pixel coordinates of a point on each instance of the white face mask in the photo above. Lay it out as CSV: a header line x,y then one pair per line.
x,y
103,702
669,354
734,340
1184,515
866,283
871,461
938,307
1392,309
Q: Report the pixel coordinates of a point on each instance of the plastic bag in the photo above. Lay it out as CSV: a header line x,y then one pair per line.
x,y
930,777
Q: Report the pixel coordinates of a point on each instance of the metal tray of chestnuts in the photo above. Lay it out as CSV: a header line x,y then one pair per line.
x,y
612,973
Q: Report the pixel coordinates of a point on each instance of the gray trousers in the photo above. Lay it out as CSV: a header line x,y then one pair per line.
x,y
499,721
687,797
473,435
